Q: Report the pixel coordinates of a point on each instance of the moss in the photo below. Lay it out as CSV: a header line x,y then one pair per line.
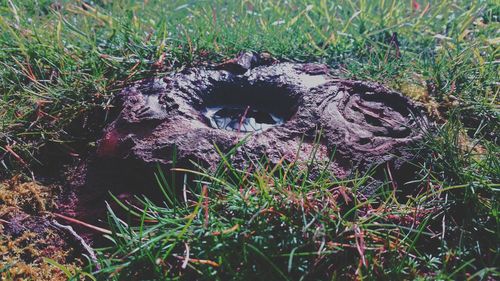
x,y
26,237
29,197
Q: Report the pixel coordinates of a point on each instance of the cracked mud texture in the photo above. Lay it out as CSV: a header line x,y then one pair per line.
x,y
362,124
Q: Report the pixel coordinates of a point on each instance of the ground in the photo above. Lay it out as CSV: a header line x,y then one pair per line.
x,y
63,62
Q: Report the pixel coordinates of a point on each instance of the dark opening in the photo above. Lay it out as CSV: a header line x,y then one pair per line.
x,y
248,108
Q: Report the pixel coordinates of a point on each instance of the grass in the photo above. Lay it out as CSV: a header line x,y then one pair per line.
x,y
62,61
276,223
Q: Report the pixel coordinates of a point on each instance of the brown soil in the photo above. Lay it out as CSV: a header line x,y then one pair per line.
x,y
277,107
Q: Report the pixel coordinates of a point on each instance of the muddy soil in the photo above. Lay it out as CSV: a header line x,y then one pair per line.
x,y
277,106
283,110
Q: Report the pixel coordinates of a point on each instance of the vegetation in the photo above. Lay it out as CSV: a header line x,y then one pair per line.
x,y
63,61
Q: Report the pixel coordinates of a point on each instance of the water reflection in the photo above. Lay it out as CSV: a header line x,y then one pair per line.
x,y
241,119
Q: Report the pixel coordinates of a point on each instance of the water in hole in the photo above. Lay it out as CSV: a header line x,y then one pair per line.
x,y
241,118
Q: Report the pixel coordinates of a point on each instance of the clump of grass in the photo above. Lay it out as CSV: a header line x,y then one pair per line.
x,y
469,173
274,222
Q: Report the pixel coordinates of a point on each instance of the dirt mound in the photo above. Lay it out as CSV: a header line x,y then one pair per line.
x,y
278,106
284,111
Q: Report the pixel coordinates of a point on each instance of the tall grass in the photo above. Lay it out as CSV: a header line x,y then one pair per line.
x,y
276,222
61,62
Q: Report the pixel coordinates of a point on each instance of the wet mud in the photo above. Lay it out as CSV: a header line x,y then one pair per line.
x,y
277,107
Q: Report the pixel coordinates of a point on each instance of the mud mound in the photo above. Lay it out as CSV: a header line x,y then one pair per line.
x,y
276,107
281,105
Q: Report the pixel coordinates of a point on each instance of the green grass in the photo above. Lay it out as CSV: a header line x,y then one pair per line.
x,y
276,223
62,60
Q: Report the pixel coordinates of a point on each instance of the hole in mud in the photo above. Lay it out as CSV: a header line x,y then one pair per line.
x,y
241,119
248,109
